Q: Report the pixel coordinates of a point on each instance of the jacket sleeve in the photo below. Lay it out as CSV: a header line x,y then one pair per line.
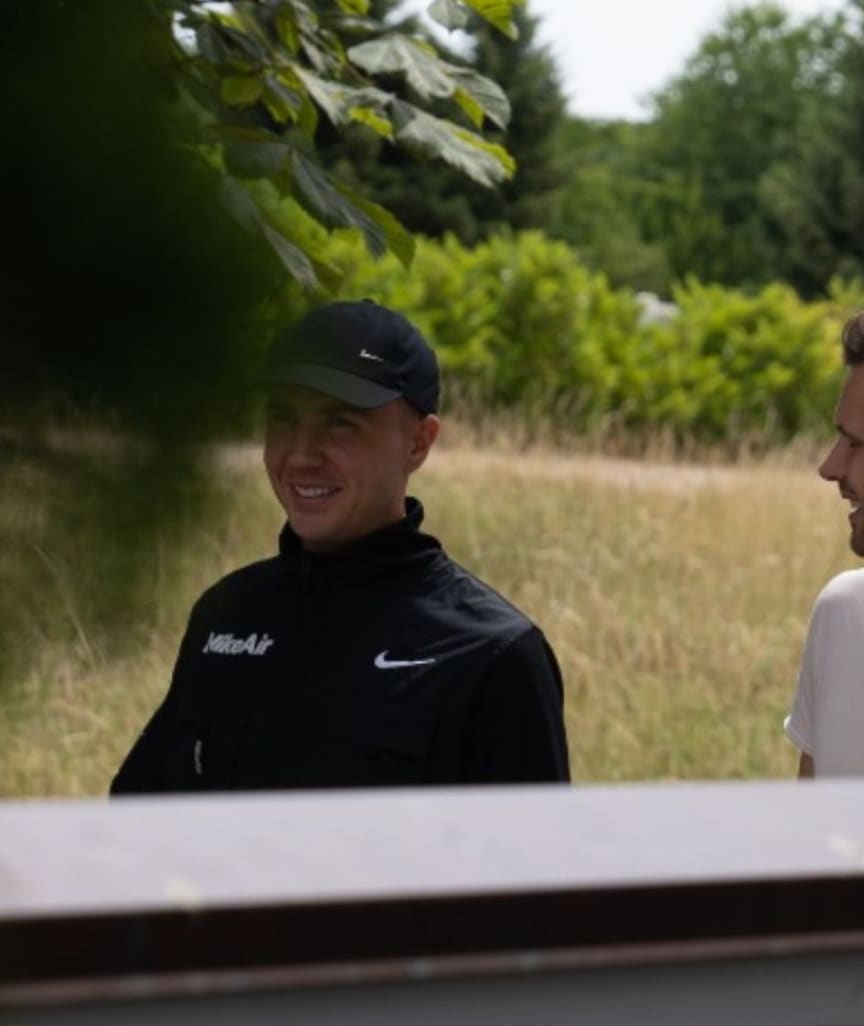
x,y
516,728
141,770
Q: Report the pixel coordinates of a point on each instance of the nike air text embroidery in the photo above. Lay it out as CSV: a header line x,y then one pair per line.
x,y
227,644
366,355
383,663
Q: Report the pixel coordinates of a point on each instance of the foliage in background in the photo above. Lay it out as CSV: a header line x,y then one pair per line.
x,y
816,196
520,322
260,75
127,292
526,72
603,200
126,289
722,124
749,170
430,198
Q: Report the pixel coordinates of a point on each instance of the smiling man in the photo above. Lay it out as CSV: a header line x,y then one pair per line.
x,y
827,718
361,655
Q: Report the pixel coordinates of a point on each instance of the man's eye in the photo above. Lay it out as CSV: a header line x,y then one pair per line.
x,y
339,420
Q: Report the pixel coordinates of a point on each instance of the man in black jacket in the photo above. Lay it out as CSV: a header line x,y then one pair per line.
x,y
361,655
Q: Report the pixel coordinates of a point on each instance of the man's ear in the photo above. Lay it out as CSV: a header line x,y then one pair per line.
x,y
425,431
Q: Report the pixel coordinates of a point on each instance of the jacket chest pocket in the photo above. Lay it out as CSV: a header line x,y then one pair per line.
x,y
209,724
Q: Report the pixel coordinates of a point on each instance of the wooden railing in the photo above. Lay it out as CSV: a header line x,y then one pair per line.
x,y
741,904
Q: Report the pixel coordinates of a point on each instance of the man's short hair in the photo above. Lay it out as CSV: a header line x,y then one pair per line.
x,y
853,340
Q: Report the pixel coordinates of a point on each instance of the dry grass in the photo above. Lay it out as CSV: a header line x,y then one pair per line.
x,y
676,597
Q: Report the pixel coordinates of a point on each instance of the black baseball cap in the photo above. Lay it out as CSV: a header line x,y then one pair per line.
x,y
359,352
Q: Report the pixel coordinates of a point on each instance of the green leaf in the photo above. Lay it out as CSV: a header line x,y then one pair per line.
x,y
399,239
295,260
343,103
256,159
305,17
485,93
470,106
329,275
315,192
329,96
497,13
240,91
286,215
308,268
306,115
210,45
283,102
431,77
324,61
354,6
287,28
449,14
239,203
307,122
247,21
485,162
392,54
235,132
251,50
372,119
500,155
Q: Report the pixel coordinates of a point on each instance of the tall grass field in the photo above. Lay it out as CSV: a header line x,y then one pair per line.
x,y
675,595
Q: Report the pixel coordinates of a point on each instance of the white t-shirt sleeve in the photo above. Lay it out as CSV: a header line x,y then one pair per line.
x,y
827,717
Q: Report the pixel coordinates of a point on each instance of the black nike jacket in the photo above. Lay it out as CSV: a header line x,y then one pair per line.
x,y
385,664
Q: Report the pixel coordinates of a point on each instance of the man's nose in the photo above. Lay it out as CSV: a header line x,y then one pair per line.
x,y
833,467
304,445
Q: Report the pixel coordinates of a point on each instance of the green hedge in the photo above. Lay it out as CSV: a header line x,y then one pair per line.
x,y
518,321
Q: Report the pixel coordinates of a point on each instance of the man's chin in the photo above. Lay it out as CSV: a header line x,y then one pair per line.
x,y
314,537
856,543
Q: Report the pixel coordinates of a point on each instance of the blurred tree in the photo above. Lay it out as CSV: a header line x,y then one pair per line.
x,y
816,195
126,288
132,306
601,203
719,126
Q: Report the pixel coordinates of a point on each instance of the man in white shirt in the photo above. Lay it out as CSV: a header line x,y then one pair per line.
x,y
827,718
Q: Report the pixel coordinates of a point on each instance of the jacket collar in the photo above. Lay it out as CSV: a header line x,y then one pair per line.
x,y
382,553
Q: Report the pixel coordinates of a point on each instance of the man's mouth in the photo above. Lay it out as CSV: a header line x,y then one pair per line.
x,y
309,492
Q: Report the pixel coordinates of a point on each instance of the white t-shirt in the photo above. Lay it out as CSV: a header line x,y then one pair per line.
x,y
827,718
